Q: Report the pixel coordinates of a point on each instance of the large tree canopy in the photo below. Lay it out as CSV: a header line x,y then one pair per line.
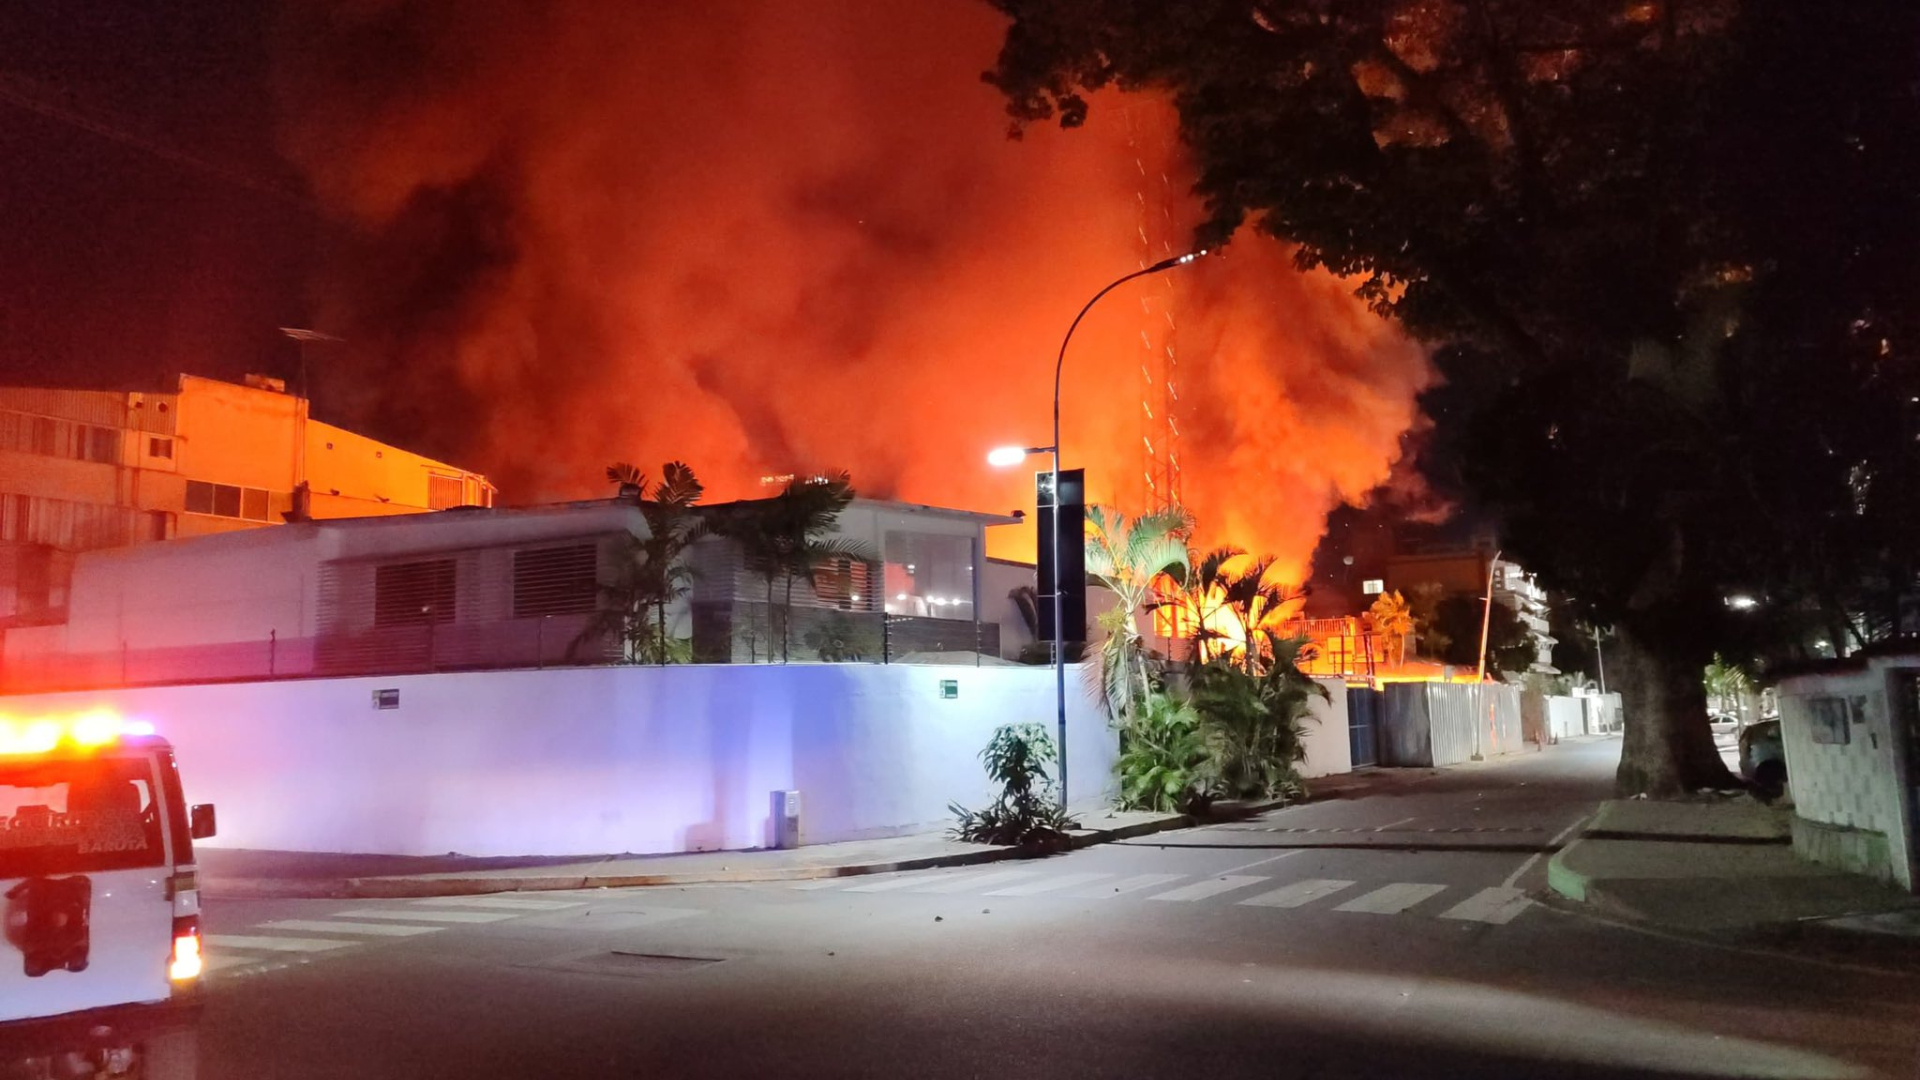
x,y
1666,251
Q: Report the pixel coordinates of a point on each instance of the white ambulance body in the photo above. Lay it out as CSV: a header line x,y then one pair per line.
x,y
101,948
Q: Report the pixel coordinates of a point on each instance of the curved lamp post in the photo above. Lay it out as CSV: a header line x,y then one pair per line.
x,y
1005,456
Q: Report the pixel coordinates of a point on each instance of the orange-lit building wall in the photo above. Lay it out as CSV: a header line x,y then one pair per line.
x,y
82,470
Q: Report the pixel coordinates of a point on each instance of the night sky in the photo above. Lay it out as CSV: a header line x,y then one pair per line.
x,y
757,236
118,266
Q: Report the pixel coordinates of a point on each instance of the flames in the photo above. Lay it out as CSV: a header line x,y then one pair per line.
x,y
762,237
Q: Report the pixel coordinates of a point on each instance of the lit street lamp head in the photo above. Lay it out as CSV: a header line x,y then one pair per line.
x,y
1004,457
1168,264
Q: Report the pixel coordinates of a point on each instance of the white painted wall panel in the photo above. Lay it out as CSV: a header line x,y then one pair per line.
x,y
1329,751
592,760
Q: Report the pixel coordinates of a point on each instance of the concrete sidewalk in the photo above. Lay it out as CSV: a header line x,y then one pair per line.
x,y
1724,867
228,873
245,874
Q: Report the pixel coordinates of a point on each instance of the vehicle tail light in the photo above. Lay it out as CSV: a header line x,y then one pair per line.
x,y
186,963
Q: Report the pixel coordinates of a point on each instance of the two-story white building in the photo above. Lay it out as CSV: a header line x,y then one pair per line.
x,y
486,588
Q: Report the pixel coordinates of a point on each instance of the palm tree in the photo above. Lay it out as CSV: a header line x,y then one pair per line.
x,y
1393,621
791,536
1135,558
1258,604
1205,597
652,576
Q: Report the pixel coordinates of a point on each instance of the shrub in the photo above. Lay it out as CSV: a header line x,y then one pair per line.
x,y
1254,724
840,639
1027,811
1165,763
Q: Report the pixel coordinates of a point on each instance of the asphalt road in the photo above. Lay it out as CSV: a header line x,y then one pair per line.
x,y
1376,936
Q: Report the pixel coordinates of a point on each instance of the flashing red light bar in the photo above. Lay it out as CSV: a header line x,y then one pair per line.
x,y
87,730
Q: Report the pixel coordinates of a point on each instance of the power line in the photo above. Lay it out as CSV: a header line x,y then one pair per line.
x,y
35,97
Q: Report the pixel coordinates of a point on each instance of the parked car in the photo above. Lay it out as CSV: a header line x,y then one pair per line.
x,y
1763,759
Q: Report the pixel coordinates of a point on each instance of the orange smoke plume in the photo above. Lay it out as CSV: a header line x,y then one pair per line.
x,y
767,236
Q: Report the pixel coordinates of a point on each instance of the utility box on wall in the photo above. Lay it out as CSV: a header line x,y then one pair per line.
x,y
786,819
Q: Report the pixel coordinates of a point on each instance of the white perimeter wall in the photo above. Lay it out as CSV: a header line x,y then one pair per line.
x,y
1329,749
595,760
1566,716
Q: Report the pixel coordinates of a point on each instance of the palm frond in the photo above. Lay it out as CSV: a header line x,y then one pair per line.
x,y
1209,571
621,472
839,547
678,486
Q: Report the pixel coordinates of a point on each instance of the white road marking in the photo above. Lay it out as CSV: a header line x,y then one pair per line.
x,y
1200,890
610,920
420,915
1298,894
903,881
323,926
1058,881
1535,857
221,961
1391,899
963,882
1265,861
517,903
274,944
1497,905
1125,885
1391,824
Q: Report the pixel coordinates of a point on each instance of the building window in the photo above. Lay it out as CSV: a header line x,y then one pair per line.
x,y
160,447
227,500
48,437
555,581
445,491
928,574
16,518
412,594
848,584
1827,720
100,444
253,504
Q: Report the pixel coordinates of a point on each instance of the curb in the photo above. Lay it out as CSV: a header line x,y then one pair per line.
x,y
401,888
1564,879
1803,941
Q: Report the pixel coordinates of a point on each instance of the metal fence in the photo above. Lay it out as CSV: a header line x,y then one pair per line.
x,y
549,641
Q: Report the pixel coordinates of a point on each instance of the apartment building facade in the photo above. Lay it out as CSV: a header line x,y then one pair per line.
x,y
85,470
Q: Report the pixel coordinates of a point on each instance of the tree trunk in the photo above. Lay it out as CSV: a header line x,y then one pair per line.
x,y
769,618
786,623
663,633
1668,749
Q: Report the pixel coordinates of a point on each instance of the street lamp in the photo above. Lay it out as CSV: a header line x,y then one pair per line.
x,y
1486,619
1005,456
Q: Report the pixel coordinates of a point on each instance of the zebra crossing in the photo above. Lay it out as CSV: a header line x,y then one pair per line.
x,y
278,943
1494,904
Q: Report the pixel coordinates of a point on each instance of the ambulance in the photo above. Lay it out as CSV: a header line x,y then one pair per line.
x,y
100,957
